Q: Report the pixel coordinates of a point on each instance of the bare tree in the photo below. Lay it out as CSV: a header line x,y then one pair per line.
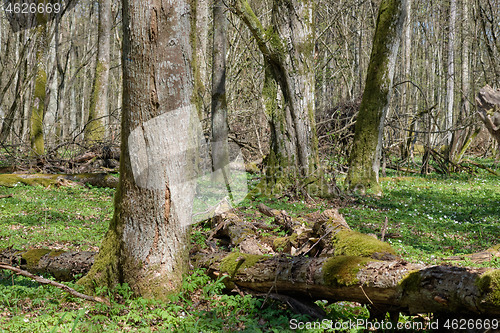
x,y
288,51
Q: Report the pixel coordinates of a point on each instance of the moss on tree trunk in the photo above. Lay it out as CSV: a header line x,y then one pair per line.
x,y
364,159
289,97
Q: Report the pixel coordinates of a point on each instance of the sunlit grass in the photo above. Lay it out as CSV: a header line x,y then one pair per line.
x,y
73,218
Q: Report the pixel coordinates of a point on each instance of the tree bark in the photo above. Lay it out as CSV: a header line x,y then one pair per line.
x,y
94,129
220,146
288,51
395,286
488,103
364,160
146,244
450,78
39,94
94,179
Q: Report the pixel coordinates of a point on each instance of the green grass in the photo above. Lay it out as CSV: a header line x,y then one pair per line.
x,y
199,307
72,218
433,216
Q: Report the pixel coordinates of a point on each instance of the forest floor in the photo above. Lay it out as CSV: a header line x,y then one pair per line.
x,y
429,219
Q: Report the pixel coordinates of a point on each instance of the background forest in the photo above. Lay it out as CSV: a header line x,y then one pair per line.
x,y
67,98
448,52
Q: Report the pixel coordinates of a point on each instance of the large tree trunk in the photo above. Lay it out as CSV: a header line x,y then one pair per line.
x,y
364,160
288,51
94,129
146,244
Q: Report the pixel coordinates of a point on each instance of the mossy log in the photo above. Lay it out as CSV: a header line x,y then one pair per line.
x,y
62,265
318,233
390,286
94,179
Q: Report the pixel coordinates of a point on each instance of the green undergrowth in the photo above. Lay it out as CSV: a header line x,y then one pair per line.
x,y
201,306
70,218
433,217
429,218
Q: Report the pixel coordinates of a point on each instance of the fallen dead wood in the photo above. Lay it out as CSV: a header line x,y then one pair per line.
x,y
318,233
342,265
64,287
488,110
94,179
479,257
62,265
389,286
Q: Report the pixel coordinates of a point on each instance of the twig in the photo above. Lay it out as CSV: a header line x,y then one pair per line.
x,y
384,229
64,287
319,240
5,196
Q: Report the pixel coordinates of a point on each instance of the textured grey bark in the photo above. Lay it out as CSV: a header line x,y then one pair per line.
x,y
288,51
146,244
220,146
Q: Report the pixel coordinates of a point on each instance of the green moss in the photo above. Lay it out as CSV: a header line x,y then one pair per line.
x,y
56,253
494,248
45,182
38,113
277,44
230,264
353,243
489,284
341,271
94,131
10,180
281,244
362,174
104,271
32,257
411,282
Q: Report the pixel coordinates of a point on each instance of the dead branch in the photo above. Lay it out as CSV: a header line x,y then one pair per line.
x,y
64,287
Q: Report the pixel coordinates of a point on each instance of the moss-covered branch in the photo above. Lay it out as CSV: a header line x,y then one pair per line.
x,y
244,11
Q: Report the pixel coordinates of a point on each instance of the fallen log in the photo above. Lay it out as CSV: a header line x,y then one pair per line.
x,y
390,286
94,179
319,233
62,265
